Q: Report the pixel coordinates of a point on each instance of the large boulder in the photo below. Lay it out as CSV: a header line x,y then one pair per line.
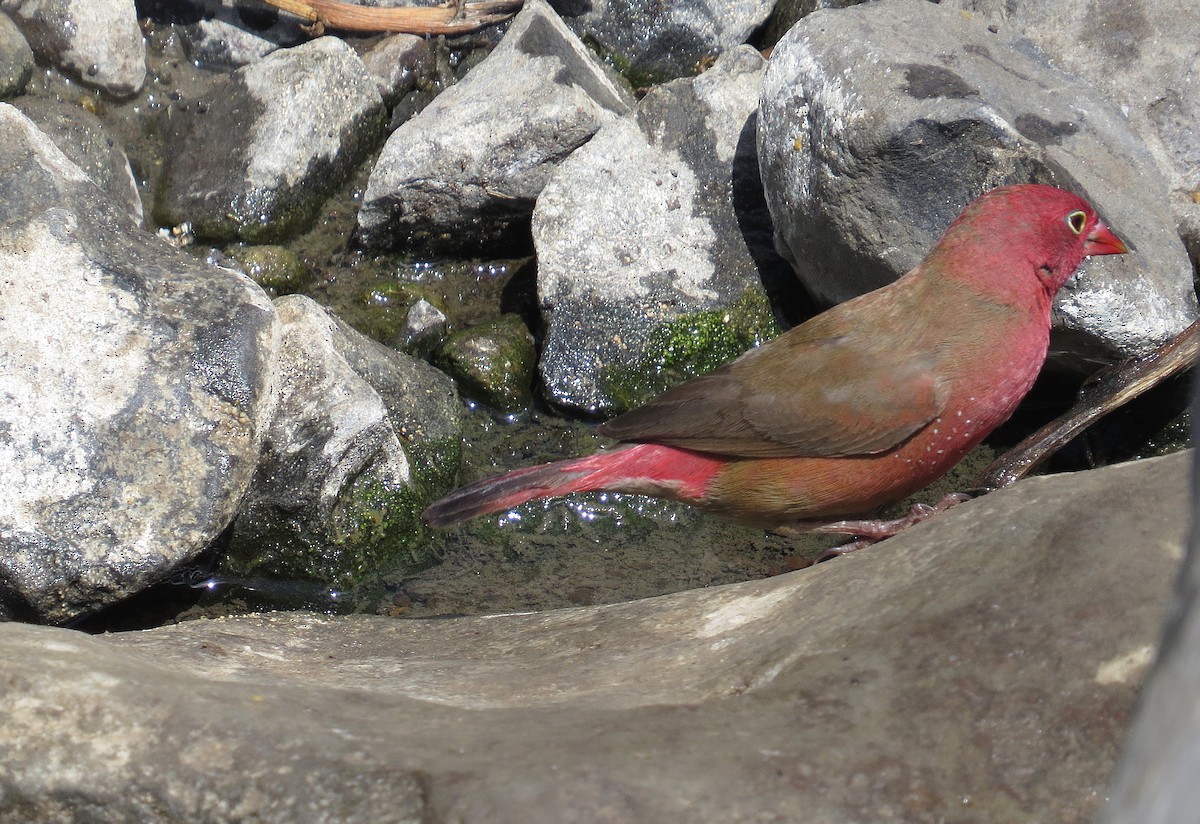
x,y
979,667
135,387
469,166
650,240
880,122
279,135
1144,57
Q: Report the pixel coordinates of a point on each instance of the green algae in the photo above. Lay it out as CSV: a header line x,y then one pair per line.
x,y
690,345
492,363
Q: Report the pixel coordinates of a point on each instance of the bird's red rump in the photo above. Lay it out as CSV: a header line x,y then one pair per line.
x,y
656,469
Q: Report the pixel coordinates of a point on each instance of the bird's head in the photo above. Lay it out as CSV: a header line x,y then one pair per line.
x,y
1013,232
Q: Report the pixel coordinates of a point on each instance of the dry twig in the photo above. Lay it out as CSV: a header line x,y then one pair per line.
x,y
1111,388
450,18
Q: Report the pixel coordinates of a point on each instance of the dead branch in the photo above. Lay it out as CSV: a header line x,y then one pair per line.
x,y
450,18
1111,388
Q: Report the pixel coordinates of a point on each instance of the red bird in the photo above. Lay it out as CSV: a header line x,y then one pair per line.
x,y
858,407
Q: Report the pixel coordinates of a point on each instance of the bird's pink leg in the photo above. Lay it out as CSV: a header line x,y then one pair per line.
x,y
869,531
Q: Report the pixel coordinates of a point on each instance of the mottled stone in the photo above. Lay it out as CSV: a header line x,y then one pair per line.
x,y
879,122
135,387
469,166
336,494
653,241
278,137
98,41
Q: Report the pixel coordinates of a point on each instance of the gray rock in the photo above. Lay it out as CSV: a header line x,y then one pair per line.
x,y
493,363
82,137
279,136
473,161
978,667
1143,56
646,273
397,63
335,493
424,326
1155,780
652,41
98,41
880,122
16,59
233,33
135,387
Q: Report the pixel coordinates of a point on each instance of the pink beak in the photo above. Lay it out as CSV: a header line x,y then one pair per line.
x,y
1102,241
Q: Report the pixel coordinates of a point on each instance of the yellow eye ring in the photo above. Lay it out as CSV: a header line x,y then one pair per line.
x,y
1077,220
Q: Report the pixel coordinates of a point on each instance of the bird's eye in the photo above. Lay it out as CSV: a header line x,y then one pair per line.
x,y
1077,220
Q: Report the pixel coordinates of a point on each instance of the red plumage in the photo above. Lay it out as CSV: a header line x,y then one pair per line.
x,y
857,407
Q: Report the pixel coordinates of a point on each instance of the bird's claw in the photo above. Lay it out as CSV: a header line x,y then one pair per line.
x,y
867,532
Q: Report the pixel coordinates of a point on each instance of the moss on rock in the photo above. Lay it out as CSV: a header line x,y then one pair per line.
x,y
691,345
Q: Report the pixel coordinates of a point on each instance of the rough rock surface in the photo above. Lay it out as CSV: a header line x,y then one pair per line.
x,y
135,386
880,122
979,667
230,33
649,240
1155,780
1145,57
653,41
97,41
336,493
397,62
473,161
279,136
16,59
83,139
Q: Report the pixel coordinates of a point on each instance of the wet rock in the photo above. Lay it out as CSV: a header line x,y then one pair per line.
x,y
97,41
493,363
649,240
788,12
274,268
232,33
16,59
470,165
424,325
363,439
653,42
880,122
398,63
1144,57
135,387
82,137
278,137
980,666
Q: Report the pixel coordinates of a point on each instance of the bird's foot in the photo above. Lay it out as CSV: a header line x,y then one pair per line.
x,y
868,532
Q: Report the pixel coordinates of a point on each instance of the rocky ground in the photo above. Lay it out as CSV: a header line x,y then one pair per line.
x,y
980,667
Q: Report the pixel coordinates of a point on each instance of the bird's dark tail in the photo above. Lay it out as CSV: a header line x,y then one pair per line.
x,y
515,488
641,468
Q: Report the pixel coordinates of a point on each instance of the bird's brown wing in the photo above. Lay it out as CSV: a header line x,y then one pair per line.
x,y
806,393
